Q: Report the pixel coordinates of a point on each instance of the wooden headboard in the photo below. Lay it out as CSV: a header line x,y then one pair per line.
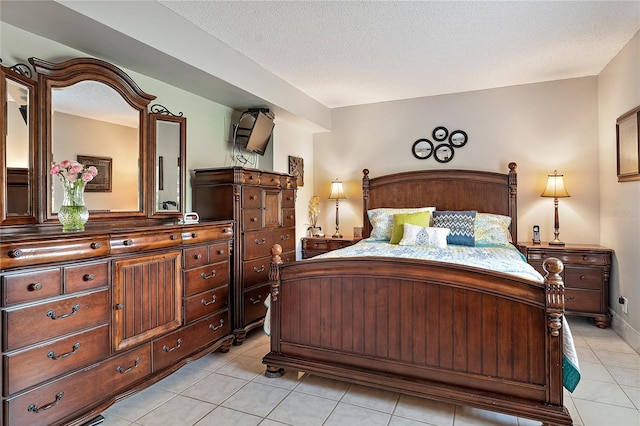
x,y
486,192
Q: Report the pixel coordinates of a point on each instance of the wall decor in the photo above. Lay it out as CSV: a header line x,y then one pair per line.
x,y
296,168
440,133
628,145
443,153
422,149
102,182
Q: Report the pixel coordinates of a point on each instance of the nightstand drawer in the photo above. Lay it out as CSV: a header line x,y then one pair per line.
x,y
582,300
587,278
570,258
31,286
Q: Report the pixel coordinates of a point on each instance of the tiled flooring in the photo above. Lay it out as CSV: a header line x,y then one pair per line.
x,y
231,389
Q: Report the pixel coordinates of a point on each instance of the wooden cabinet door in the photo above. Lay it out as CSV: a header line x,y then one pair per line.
x,y
272,208
146,298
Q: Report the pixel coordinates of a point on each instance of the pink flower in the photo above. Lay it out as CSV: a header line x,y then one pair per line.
x,y
76,168
65,163
71,177
87,176
55,169
93,170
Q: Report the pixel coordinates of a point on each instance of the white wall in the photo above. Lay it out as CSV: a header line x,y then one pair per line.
x,y
541,127
619,92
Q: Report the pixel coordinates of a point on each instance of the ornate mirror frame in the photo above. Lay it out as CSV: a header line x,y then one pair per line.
x,y
68,73
13,185
162,178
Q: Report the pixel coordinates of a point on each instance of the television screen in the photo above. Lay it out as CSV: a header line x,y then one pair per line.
x,y
255,138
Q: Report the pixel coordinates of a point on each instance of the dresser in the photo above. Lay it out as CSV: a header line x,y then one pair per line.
x,y
313,246
262,206
89,317
585,275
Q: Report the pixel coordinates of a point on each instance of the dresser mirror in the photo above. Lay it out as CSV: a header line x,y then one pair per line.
x,y
17,191
167,148
91,108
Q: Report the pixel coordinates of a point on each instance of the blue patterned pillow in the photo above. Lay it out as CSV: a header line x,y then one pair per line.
x,y
461,224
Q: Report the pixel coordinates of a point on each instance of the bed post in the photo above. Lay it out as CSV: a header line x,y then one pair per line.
x,y
366,226
555,310
513,197
274,309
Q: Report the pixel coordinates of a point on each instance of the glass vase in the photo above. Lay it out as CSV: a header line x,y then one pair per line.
x,y
73,214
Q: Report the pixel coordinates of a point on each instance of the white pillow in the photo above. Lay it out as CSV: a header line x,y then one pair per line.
x,y
415,235
382,220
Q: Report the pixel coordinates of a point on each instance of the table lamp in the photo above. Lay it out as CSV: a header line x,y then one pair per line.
x,y
337,193
555,189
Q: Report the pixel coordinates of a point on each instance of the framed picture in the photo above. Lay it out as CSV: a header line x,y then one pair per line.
x,y
628,145
101,182
296,168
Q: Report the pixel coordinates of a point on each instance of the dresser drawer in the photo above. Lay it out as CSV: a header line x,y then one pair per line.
x,y
182,343
205,303
288,199
570,258
134,242
289,218
582,300
270,179
86,276
203,255
251,198
62,398
196,235
25,326
251,177
254,303
587,278
257,244
30,367
27,253
27,286
255,271
206,278
251,219
286,238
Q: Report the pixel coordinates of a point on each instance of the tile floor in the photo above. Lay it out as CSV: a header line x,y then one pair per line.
x,y
231,389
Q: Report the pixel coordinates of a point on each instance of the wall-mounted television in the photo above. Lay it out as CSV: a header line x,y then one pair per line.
x,y
254,129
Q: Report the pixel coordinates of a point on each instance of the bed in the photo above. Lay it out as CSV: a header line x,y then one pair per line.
x,y
452,332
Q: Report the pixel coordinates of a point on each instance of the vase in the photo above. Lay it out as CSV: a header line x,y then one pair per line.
x,y
73,214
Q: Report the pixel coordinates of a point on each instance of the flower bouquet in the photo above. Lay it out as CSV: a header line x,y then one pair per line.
x,y
73,214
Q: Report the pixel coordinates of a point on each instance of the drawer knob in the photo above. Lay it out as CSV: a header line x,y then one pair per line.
x,y
220,252
119,306
52,314
253,197
258,270
96,245
128,242
205,303
206,277
254,219
33,408
215,327
256,301
168,349
583,277
260,242
35,287
15,253
121,370
197,256
55,357
173,237
568,299
585,258
89,277
226,231
285,237
290,216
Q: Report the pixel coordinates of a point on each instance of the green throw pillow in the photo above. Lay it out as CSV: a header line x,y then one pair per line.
x,y
419,219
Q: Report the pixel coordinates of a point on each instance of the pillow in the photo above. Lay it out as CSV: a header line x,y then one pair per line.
x,y
419,218
492,229
461,224
415,235
382,220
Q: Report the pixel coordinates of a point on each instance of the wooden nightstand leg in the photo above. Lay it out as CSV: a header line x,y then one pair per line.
x,y
602,321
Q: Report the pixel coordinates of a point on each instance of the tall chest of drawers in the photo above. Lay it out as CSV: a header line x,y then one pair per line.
x,y
92,316
262,205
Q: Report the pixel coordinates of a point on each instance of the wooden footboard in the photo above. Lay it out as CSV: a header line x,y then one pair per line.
x,y
446,332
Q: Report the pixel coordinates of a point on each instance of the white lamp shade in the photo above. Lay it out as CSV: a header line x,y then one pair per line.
x,y
555,186
337,191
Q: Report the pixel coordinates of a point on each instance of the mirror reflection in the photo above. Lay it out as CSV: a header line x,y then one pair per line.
x,y
167,166
422,149
91,119
17,149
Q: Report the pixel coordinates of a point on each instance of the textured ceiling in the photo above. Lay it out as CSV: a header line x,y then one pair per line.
x,y
351,52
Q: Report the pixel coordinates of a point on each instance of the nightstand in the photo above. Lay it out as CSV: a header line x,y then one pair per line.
x,y
313,246
585,275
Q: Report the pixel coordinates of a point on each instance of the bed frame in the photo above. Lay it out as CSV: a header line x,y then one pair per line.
x,y
446,332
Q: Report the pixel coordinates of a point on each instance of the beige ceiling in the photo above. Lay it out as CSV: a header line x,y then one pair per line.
x,y
356,52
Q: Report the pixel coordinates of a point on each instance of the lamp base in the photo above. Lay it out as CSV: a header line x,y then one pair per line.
x,y
556,242
336,235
